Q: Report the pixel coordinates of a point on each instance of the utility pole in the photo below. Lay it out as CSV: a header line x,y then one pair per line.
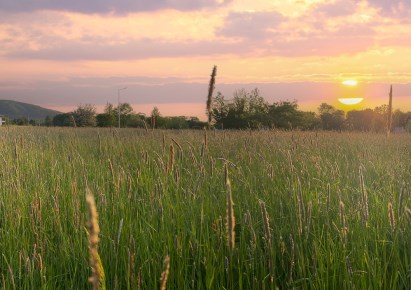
x,y
118,104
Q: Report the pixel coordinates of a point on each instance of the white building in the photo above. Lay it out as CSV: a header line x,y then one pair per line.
x,y
2,120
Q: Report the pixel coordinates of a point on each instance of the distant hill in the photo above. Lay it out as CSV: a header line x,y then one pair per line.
x,y
13,110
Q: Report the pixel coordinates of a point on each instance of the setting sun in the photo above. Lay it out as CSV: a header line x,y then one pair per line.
x,y
350,101
350,83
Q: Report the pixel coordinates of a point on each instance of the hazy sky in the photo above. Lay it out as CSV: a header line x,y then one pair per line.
x,y
62,53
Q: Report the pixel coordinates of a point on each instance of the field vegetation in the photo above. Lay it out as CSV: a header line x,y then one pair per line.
x,y
204,210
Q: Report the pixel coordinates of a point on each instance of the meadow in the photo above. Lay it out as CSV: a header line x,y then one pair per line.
x,y
311,210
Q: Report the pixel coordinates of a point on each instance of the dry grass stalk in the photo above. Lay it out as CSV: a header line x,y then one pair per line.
x,y
110,165
205,139
145,126
230,224
301,209
172,157
401,200
99,143
267,236
210,94
266,222
408,213
292,252
131,259
343,221
226,172
309,212
300,218
73,121
179,148
153,122
166,271
391,216
300,197
97,278
164,143
328,196
364,196
16,150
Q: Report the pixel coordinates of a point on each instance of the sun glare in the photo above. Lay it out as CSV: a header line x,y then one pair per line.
x,y
350,101
350,83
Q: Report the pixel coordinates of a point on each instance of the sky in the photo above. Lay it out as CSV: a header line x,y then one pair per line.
x,y
63,53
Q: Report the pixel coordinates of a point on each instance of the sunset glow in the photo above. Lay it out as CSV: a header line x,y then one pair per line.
x,y
350,101
351,83
65,53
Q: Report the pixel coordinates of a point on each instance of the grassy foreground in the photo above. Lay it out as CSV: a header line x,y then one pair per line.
x,y
312,210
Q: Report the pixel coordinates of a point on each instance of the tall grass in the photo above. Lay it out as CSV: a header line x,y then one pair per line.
x,y
305,215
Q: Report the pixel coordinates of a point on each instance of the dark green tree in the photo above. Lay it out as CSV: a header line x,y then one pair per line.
x,y
104,120
85,116
126,113
63,120
48,121
108,118
246,110
22,121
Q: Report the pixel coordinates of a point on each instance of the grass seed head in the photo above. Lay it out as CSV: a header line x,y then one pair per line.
x,y
164,274
230,224
391,216
97,278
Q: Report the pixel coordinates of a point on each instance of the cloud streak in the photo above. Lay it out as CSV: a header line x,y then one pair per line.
x,y
107,6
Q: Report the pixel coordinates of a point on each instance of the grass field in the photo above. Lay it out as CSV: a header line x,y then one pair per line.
x,y
312,210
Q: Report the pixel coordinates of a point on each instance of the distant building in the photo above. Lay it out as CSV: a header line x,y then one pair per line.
x,y
2,120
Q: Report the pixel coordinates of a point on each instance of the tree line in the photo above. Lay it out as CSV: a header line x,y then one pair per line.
x,y
246,110
122,116
250,110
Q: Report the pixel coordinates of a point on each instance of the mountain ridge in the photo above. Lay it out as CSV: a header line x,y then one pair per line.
x,y
15,109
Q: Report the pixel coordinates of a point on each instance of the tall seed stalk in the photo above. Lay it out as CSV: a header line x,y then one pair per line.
x,y
97,278
210,94
344,226
364,196
164,274
267,236
230,224
391,216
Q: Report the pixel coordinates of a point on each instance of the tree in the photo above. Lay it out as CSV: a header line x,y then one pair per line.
x,y
246,110
23,121
63,120
331,118
155,114
126,111
283,115
85,116
308,121
48,121
380,118
136,121
364,120
219,110
195,123
105,120
408,126
108,118
399,118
